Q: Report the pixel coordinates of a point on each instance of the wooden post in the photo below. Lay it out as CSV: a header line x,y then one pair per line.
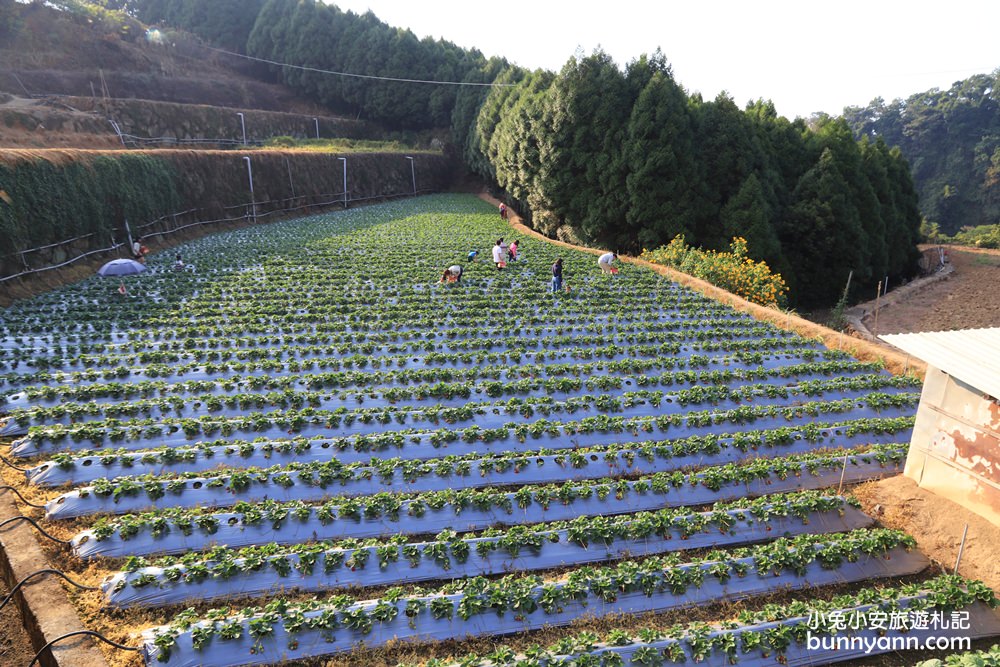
x,y
843,471
961,548
878,294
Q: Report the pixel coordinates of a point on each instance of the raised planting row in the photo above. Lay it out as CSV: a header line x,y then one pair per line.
x,y
231,337
365,310
514,336
210,334
160,346
611,357
668,371
232,404
592,427
177,530
668,343
425,384
228,371
315,566
480,606
452,446
780,633
314,481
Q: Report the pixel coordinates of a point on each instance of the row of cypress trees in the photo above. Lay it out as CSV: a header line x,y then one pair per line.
x,y
627,160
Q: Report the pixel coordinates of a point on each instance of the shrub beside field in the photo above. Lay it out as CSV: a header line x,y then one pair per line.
x,y
733,271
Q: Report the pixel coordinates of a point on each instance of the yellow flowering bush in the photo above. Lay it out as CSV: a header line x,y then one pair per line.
x,y
733,271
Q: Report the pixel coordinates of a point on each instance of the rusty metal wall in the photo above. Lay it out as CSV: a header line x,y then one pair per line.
x,y
955,449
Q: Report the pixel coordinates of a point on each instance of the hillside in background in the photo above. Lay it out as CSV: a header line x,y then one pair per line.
x,y
621,157
320,36
50,52
951,139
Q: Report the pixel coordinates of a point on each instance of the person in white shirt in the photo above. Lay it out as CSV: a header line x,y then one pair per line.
x,y
453,274
139,251
604,261
499,254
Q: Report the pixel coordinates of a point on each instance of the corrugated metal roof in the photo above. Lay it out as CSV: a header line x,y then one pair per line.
x,y
970,355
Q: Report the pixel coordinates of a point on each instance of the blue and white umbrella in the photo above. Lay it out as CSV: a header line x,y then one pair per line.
x,y
121,267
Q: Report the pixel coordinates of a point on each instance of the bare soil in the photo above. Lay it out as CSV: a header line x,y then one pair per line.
x,y
969,299
937,524
15,647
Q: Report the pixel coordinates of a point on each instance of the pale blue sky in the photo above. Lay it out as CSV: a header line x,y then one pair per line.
x,y
804,56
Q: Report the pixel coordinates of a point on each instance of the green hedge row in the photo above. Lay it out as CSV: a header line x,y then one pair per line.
x,y
50,200
58,195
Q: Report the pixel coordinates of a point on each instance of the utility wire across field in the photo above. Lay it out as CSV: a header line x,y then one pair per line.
x,y
359,76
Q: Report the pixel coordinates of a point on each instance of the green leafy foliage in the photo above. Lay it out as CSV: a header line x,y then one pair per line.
x,y
951,137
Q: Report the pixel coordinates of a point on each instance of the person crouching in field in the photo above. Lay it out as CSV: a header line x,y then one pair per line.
x,y
453,274
139,251
604,261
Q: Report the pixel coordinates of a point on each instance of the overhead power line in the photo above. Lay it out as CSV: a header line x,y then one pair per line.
x,y
357,76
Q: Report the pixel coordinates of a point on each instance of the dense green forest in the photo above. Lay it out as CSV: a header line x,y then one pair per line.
x,y
628,160
620,157
952,141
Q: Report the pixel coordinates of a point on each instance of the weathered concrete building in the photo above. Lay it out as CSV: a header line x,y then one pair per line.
x,y
955,448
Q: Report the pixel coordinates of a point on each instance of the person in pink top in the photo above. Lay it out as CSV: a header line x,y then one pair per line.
x,y
512,251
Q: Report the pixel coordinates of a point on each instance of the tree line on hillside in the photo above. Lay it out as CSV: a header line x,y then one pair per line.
x,y
624,158
627,159
952,141
312,34
225,23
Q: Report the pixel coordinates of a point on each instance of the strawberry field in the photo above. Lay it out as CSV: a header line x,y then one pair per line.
x,y
304,447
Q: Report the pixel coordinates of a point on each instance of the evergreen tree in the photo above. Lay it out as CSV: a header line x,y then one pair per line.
x,y
662,170
583,172
725,144
824,228
514,148
748,214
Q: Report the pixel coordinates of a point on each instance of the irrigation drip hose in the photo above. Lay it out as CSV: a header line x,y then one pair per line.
x,y
98,635
7,487
4,460
17,587
35,524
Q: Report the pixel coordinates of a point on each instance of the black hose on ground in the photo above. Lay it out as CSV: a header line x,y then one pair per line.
x,y
17,587
98,635
35,524
8,487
